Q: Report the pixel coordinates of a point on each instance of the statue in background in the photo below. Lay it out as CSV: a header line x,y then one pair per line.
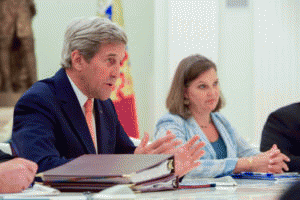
x,y
17,57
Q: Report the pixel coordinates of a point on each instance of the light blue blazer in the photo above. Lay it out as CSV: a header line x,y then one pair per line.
x,y
210,166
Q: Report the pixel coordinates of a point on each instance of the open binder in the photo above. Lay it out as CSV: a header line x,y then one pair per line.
x,y
97,172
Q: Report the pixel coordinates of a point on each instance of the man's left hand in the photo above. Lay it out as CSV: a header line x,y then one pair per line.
x,y
163,145
186,157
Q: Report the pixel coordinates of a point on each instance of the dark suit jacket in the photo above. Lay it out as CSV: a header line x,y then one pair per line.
x,y
292,193
50,128
283,128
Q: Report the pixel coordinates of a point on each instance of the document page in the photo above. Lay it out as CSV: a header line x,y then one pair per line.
x,y
37,190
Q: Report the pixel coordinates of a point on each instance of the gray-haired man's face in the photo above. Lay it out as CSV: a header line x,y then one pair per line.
x,y
103,70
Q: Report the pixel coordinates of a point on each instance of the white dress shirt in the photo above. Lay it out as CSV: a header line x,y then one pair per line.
x,y
82,99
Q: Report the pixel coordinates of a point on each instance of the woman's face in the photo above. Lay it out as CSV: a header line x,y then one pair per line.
x,y
204,92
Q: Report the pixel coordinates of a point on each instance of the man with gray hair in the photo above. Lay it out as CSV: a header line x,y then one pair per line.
x,y
70,114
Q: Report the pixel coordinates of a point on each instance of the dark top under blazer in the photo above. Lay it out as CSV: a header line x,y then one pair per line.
x,y
50,128
283,128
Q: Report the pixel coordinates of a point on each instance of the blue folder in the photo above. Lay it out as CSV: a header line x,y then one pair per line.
x,y
254,175
265,176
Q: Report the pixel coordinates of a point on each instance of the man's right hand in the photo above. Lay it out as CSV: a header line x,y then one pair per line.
x,y
16,175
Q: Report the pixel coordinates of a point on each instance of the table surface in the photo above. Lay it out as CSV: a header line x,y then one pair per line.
x,y
246,189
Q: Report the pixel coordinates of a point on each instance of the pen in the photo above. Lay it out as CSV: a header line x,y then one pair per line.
x,y
31,185
196,186
39,177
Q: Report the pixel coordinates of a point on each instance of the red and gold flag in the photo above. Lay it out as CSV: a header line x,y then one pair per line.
x,y
123,96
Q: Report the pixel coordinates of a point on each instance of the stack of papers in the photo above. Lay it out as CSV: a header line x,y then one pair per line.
x,y
41,192
287,177
207,182
37,191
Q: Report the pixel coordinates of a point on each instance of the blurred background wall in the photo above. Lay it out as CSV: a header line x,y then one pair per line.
x,y
254,43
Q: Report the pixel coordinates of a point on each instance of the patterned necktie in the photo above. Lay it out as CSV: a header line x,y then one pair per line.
x,y
89,118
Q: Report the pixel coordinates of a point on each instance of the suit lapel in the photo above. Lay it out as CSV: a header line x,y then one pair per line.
x,y
72,110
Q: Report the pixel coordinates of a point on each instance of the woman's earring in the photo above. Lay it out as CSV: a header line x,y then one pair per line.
x,y
186,102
